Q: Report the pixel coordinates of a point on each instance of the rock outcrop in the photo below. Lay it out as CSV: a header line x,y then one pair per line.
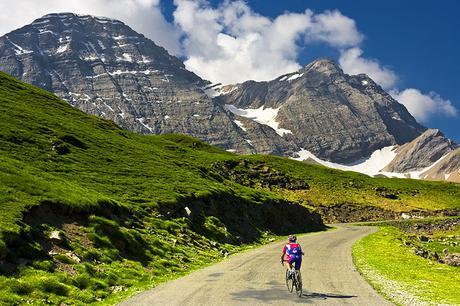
x,y
447,169
421,152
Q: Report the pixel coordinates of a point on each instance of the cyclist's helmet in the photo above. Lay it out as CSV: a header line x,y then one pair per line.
x,y
292,238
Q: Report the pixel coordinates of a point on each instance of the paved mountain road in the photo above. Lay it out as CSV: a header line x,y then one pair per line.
x,y
256,277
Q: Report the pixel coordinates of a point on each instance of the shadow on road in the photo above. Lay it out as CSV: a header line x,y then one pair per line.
x,y
317,295
278,293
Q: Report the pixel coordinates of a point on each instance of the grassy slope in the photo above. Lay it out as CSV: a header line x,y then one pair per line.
x,y
331,187
405,278
52,154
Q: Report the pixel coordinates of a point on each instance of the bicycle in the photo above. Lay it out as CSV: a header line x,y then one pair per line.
x,y
294,281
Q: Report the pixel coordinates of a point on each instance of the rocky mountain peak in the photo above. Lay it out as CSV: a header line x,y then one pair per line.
x,y
70,19
324,65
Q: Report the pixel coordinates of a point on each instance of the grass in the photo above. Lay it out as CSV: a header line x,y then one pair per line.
x,y
403,277
119,199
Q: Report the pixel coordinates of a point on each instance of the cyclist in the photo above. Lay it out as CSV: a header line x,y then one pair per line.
x,y
292,254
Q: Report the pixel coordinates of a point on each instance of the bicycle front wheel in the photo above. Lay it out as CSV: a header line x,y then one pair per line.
x,y
289,282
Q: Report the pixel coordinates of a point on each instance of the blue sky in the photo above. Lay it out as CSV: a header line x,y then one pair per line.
x,y
411,48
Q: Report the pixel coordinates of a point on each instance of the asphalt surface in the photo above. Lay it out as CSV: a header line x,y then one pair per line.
x,y
256,277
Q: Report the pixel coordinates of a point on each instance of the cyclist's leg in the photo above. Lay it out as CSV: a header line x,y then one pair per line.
x,y
287,262
298,264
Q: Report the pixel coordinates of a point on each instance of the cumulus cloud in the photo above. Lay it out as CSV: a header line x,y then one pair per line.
x,y
352,62
424,106
231,43
142,15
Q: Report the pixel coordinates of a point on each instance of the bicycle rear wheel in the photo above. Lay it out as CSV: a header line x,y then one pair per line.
x,y
289,282
298,284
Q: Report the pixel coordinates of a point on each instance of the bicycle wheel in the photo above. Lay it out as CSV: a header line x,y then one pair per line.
x,y
289,282
298,284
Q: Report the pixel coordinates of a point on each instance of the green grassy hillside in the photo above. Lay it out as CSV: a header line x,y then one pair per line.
x,y
88,211
388,260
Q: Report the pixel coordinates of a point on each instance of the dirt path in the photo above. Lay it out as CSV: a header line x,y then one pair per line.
x,y
257,278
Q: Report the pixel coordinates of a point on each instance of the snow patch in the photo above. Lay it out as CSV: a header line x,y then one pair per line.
x,y
240,125
215,90
126,97
167,117
420,173
145,60
370,166
291,77
62,49
231,150
126,57
211,92
101,44
109,107
295,76
43,31
119,72
141,121
90,58
265,116
364,82
18,49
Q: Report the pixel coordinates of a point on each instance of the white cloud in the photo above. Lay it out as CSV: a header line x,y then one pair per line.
x,y
142,15
424,106
231,43
335,29
352,62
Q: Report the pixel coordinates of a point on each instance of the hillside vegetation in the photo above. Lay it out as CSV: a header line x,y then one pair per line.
x,y
405,262
89,211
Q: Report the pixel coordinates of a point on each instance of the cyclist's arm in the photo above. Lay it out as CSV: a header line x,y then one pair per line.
x,y
283,253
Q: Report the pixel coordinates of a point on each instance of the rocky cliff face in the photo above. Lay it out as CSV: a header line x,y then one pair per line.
x,y
333,115
446,169
103,67
420,153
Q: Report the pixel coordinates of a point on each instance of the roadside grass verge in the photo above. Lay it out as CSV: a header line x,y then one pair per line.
x,y
403,277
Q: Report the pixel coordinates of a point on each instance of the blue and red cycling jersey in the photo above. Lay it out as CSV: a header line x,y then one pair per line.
x,y
293,253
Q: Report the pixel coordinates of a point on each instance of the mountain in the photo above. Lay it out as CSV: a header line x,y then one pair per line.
x,y
103,67
335,116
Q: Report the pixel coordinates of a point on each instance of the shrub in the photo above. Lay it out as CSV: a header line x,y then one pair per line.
x,y
52,285
21,287
82,281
